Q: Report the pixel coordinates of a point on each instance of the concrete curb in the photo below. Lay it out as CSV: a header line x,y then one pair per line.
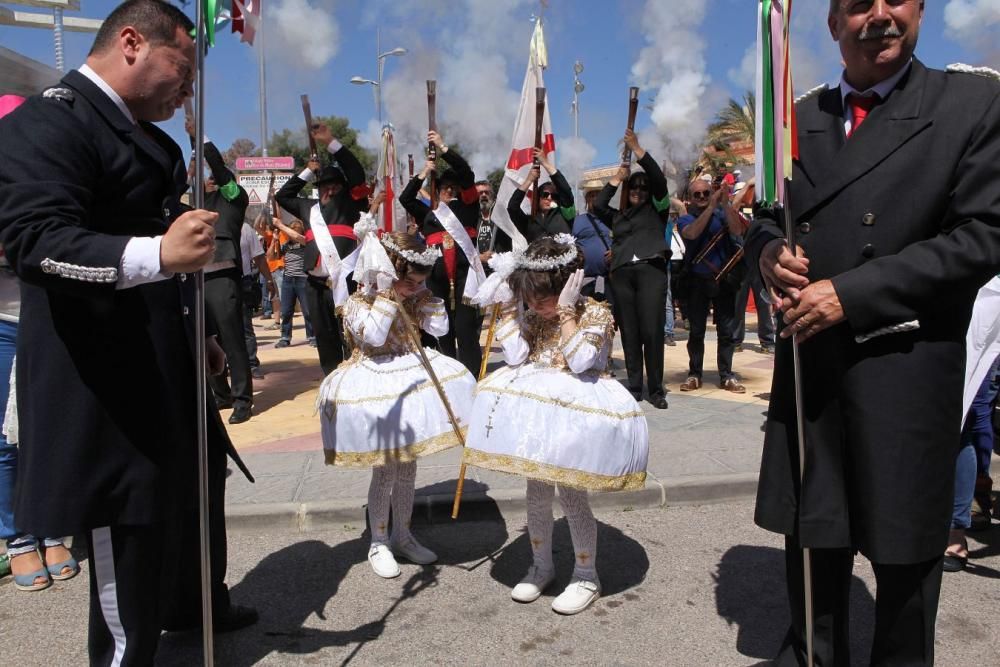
x,y
432,508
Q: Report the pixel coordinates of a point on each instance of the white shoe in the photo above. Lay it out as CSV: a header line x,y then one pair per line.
x,y
533,584
578,596
413,551
382,561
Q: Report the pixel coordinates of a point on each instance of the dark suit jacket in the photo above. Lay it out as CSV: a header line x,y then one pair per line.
x,y
639,231
904,218
77,181
549,222
231,212
344,208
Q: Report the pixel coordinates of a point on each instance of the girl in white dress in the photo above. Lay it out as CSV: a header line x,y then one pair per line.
x,y
554,414
380,409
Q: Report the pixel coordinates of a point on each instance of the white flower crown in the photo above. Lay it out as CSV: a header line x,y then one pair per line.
x,y
552,263
426,258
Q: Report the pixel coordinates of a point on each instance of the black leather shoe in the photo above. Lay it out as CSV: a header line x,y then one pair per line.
x,y
235,618
240,415
659,401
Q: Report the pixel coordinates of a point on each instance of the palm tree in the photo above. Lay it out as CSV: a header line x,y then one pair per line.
x,y
735,122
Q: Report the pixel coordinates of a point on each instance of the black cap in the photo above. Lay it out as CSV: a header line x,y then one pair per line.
x,y
330,174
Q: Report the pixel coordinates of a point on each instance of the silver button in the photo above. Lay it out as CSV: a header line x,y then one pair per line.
x,y
868,219
183,277
186,310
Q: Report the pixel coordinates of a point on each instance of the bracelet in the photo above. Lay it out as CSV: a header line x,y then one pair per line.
x,y
566,314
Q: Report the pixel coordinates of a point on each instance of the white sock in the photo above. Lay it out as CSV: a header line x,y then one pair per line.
x,y
539,497
583,530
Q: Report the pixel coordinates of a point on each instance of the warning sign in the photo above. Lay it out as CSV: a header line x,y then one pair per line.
x,y
256,184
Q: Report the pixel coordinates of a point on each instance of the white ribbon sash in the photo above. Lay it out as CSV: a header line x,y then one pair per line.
x,y
328,254
452,225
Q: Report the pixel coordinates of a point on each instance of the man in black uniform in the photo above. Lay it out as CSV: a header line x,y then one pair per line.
x,y
342,198
639,268
224,283
880,296
457,188
91,221
556,211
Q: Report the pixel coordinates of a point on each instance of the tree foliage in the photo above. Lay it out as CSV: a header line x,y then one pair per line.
x,y
294,143
241,147
735,122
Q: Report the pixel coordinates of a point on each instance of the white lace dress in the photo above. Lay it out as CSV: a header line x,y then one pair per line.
x,y
554,413
380,405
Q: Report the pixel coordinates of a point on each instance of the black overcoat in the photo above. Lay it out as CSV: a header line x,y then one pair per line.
x,y
105,377
904,218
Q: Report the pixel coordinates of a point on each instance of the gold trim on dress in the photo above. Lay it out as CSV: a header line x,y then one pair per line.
x,y
409,391
406,454
587,481
561,403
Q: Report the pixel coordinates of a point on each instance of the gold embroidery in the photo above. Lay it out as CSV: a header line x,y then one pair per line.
x,y
405,454
549,473
561,403
425,384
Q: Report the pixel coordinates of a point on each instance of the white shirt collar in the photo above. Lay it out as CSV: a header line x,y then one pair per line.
x,y
882,88
108,90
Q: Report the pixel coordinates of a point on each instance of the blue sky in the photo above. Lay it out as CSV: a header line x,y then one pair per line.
x,y
478,51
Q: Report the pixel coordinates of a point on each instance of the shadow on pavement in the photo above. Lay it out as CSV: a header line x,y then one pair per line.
x,y
750,592
621,561
990,541
284,381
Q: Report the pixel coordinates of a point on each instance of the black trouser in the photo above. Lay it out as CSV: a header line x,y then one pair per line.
x,y
126,571
703,293
464,325
765,321
224,304
640,290
906,601
326,324
182,607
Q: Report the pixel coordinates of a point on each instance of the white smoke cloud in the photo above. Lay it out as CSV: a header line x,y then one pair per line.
x,y
744,76
672,66
974,24
307,33
574,156
476,103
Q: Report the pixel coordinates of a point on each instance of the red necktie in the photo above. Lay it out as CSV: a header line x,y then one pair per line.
x,y
860,106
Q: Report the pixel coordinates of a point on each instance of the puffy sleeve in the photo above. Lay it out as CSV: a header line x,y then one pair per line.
x,y
510,335
583,349
369,322
433,316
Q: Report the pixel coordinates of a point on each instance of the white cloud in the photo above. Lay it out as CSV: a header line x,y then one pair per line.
x,y
306,33
975,24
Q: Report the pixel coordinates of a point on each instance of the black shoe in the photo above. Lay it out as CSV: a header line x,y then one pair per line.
x,y
257,372
235,618
282,343
658,401
240,415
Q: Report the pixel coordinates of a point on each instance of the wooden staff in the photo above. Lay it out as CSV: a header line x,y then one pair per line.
x,y
431,148
539,119
409,156
414,335
633,108
307,112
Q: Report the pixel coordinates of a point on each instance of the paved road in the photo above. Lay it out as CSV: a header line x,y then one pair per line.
x,y
683,586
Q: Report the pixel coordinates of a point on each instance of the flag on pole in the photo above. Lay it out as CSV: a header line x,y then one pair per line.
x,y
246,19
386,174
775,136
520,158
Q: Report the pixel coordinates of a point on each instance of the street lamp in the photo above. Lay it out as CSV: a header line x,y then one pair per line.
x,y
577,89
380,63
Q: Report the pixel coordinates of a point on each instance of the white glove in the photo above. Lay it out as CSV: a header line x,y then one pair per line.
x,y
571,291
384,282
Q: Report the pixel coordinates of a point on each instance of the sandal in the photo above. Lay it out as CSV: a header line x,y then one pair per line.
x,y
26,582
56,569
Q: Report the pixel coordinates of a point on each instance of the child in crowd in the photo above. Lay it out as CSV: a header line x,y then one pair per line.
x,y
554,414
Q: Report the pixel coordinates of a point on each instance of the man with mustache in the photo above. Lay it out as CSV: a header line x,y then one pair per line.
x,y
92,223
879,294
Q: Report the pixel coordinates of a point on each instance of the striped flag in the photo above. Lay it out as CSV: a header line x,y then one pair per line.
x,y
776,139
520,158
246,18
